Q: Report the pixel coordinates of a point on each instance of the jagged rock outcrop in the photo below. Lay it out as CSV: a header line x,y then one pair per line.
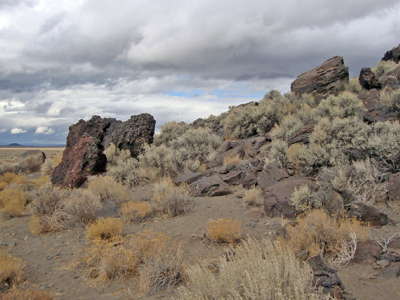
x,y
393,55
328,78
86,141
368,80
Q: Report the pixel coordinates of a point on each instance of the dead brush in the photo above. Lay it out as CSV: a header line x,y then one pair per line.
x,y
224,230
135,211
254,197
170,199
13,202
16,294
317,233
232,160
148,243
11,270
104,229
162,271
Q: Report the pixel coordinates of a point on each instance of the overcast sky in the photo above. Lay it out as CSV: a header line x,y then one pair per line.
x,y
62,60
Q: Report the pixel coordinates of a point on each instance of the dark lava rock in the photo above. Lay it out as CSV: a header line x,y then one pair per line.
x,y
328,78
270,175
210,186
393,55
86,141
394,187
277,197
368,214
367,252
368,79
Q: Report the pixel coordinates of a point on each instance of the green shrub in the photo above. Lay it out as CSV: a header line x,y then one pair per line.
x,y
384,145
310,159
303,199
276,151
170,131
391,101
354,86
344,105
384,67
342,139
250,120
287,127
253,270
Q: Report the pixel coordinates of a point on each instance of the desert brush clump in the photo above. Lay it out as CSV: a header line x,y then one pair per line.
x,y
384,67
104,229
13,202
121,166
190,150
344,105
253,197
289,125
354,86
224,230
317,233
304,198
170,199
360,181
169,132
232,160
253,270
162,270
250,120
109,190
276,151
133,211
391,100
11,270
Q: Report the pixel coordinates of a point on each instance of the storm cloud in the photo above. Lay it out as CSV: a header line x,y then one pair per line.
x,y
179,60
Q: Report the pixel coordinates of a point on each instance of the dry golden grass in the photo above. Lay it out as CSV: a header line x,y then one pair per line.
x,y
253,270
11,270
162,271
318,233
108,189
104,229
57,221
254,197
148,243
110,261
135,211
224,230
232,160
12,202
15,294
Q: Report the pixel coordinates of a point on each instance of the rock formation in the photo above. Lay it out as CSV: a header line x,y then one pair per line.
x,y
328,78
368,80
86,141
393,55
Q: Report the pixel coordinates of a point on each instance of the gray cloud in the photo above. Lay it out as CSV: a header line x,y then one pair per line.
x,y
62,60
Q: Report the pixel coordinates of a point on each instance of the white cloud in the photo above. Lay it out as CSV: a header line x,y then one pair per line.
x,y
17,131
44,130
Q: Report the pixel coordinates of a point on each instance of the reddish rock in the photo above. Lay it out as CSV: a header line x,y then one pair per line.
x,y
368,79
328,78
86,141
393,55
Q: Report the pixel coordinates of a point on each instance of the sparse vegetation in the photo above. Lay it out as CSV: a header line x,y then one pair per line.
x,y
12,202
108,190
16,294
224,230
11,270
317,233
170,199
104,229
253,197
135,211
254,270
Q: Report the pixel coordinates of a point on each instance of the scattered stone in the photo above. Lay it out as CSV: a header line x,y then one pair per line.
x,y
328,78
392,271
210,186
368,80
368,214
383,263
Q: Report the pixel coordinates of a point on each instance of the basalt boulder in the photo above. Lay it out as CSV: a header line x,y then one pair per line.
x,y
393,55
328,78
84,152
368,80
